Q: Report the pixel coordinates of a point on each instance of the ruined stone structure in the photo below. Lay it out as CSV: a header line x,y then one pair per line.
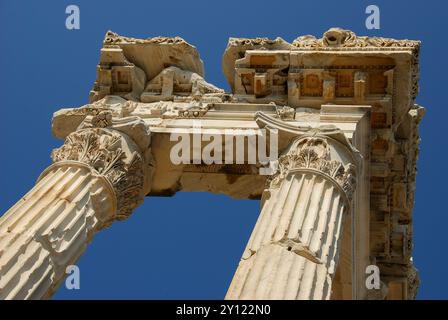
x,y
340,197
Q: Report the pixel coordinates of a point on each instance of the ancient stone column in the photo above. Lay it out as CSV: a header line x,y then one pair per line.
x,y
293,250
97,177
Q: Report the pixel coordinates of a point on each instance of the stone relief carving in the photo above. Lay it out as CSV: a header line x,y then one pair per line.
x,y
102,119
175,81
193,112
337,37
285,112
114,38
255,41
340,38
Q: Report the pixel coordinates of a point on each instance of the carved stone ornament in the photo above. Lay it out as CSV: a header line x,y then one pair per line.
x,y
102,119
254,41
413,281
340,39
285,112
337,37
105,152
114,38
314,153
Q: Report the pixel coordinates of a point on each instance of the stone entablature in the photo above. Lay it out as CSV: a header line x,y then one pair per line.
x,y
361,90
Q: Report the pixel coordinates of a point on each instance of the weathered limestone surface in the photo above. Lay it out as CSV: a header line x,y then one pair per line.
x,y
49,228
97,177
127,63
314,236
294,248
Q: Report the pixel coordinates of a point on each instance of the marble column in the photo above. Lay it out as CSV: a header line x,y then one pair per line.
x,y
293,250
97,177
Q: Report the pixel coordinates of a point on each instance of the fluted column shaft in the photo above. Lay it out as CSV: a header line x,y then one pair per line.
x,y
293,250
48,229
96,178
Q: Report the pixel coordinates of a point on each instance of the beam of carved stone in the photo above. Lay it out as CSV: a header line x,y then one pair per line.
x,y
293,250
97,177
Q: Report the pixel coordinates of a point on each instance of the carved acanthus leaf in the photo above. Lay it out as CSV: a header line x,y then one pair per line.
x,y
103,151
314,153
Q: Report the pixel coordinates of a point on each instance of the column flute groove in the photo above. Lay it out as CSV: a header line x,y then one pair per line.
x,y
293,250
97,177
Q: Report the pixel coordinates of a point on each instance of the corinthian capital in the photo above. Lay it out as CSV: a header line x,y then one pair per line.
x,y
322,154
112,155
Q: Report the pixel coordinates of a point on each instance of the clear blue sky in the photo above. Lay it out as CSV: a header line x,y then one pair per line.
x,y
188,246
